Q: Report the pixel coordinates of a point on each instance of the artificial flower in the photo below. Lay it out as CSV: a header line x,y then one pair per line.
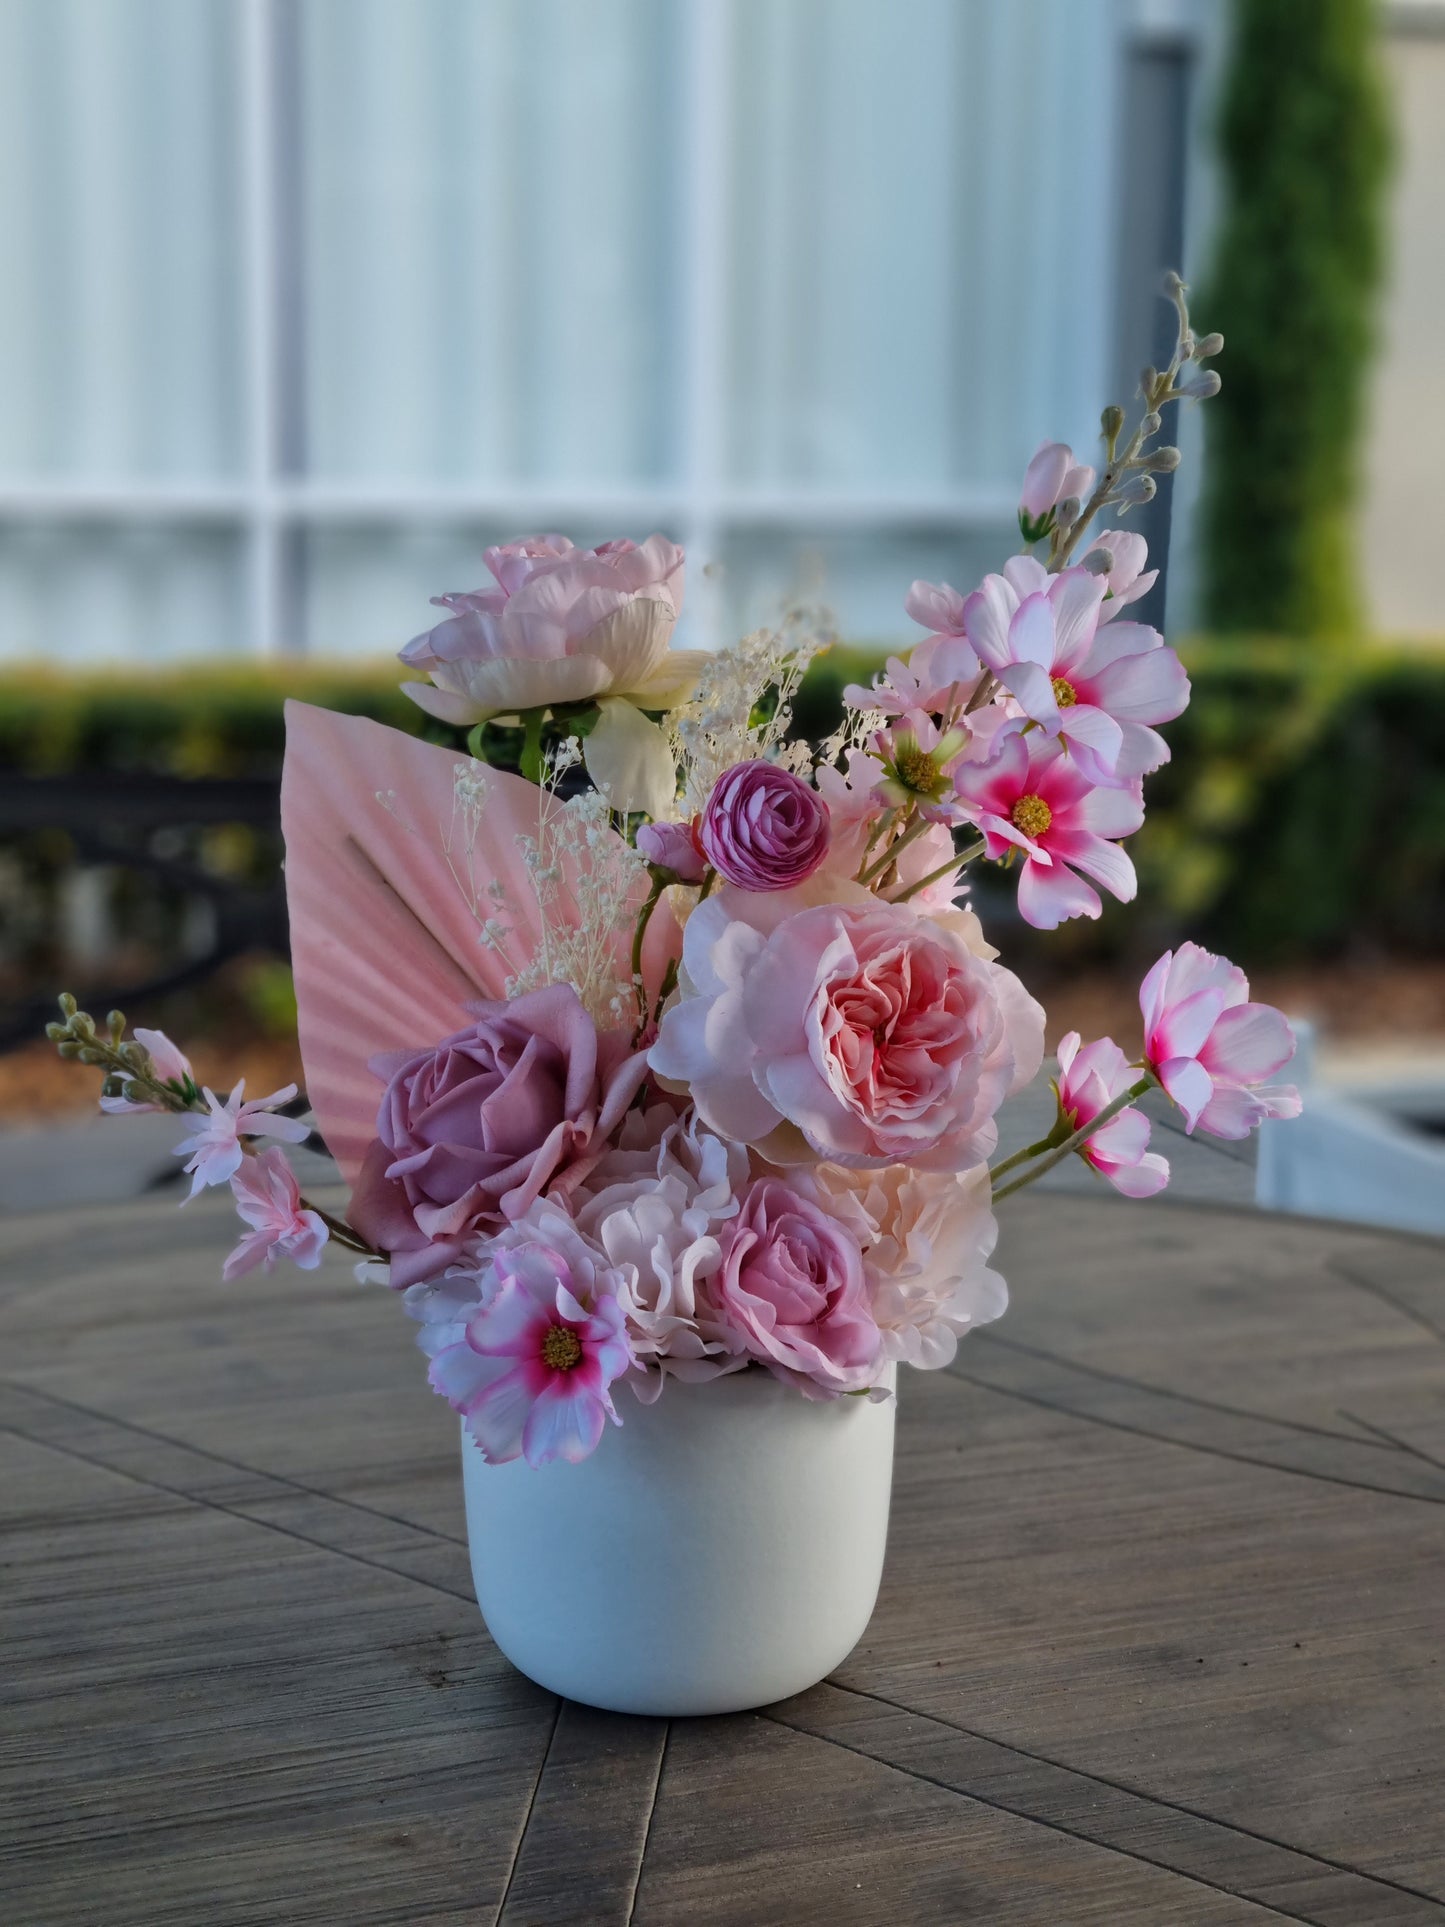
x,y
673,847
860,1032
854,810
1097,689
1032,797
763,828
214,1147
918,759
168,1065
1091,1076
1211,1048
472,1131
560,625
791,1287
541,1349
1119,558
1052,476
269,1200
939,674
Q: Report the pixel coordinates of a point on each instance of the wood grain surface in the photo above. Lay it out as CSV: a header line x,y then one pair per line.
x,y
1160,1637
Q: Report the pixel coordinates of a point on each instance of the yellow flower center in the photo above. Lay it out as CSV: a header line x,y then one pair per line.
x,y
1064,693
1032,815
916,769
561,1348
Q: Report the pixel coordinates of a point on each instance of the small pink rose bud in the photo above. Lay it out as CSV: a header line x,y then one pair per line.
x,y
1044,479
764,828
672,846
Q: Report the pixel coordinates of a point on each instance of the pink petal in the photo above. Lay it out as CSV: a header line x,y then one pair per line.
x,y
1150,688
1035,691
1189,1084
1031,633
1094,741
987,614
498,1417
1076,597
1048,897
564,1424
1111,812
1142,1180
1249,1043
1105,862
1185,1025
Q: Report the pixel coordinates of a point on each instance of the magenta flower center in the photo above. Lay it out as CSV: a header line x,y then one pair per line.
x,y
1065,694
561,1348
1032,815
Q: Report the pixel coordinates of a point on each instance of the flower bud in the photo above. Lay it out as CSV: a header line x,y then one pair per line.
x,y
69,1048
1067,512
1099,561
1151,425
1208,345
1173,285
68,1004
1112,421
56,1032
1162,461
1148,378
1201,385
1138,488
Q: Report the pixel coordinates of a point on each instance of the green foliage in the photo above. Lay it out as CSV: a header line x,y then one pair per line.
x,y
1304,146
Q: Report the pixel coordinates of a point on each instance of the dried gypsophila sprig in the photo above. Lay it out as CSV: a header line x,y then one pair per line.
x,y
721,726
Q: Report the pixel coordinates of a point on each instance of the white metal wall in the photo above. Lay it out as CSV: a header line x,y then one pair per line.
x,y
303,300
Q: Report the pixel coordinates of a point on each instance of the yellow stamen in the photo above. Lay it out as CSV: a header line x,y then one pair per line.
x,y
1032,815
916,769
561,1348
1064,693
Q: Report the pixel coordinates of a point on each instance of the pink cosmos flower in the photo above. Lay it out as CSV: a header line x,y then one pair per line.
x,y
939,674
1090,1079
1210,1047
1051,477
269,1200
791,1286
541,1350
763,827
1031,797
918,760
1127,580
561,625
674,847
1095,688
856,1032
169,1065
215,1147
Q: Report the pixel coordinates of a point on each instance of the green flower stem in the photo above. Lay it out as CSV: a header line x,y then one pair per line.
x,y
955,862
1071,1143
531,763
1022,1157
879,864
644,917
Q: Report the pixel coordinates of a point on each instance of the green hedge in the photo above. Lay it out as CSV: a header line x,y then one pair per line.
x,y
1303,813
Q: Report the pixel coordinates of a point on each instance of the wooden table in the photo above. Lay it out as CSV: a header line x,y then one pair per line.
x,y
1160,1638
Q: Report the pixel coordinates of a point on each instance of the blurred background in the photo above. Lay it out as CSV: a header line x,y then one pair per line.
x,y
304,302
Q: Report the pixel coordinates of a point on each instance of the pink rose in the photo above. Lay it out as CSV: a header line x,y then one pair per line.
x,y
791,1287
857,1032
764,828
561,625
672,846
471,1132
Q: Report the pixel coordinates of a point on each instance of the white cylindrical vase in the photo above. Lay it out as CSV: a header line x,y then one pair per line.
x,y
721,1549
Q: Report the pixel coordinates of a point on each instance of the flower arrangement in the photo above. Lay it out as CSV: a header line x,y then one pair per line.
x,y
681,1053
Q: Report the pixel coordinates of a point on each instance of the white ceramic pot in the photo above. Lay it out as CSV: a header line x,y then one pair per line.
x,y
720,1549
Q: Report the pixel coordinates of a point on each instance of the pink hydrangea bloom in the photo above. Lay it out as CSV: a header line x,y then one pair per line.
x,y
1090,1078
1211,1048
1031,797
764,828
214,1148
1128,580
169,1064
791,1286
1096,688
269,1200
541,1348
860,1033
561,624
1050,478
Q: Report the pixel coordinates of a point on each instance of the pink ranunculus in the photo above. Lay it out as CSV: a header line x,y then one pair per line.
x,y
1091,1076
1211,1048
763,828
268,1198
858,1032
1051,477
926,1238
1098,689
540,1351
561,625
1127,580
1031,797
473,1130
214,1147
791,1287
673,847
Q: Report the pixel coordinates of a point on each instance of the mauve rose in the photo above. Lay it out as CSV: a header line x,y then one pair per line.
x,y
791,1286
471,1132
764,828
560,625
672,846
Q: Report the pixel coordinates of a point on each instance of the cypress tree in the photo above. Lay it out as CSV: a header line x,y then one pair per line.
x,y
1304,146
